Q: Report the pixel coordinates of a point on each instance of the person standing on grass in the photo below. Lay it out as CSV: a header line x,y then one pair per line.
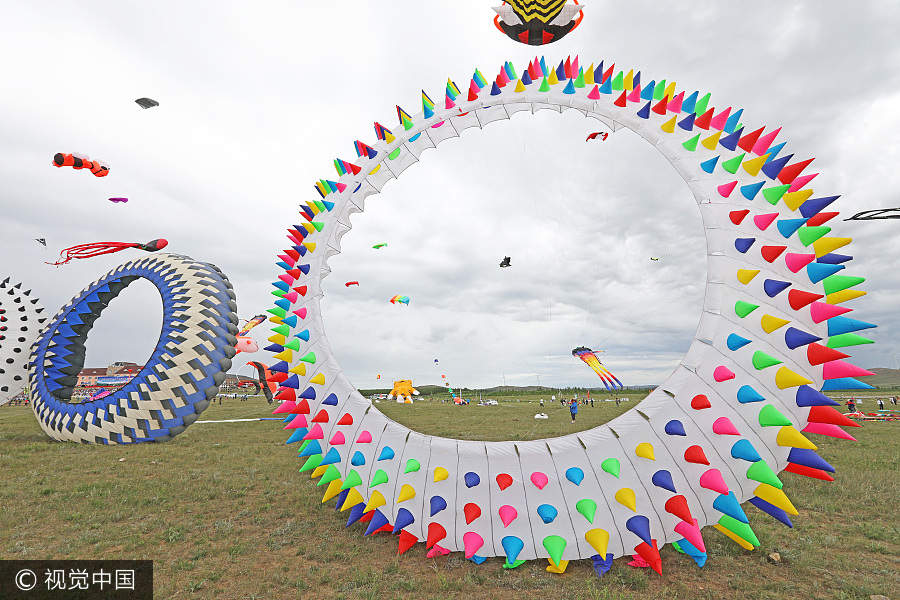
x,y
851,405
573,408
881,404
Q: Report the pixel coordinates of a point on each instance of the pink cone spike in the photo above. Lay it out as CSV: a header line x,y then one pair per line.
x,y
286,407
691,532
795,262
675,104
726,188
291,296
473,88
712,480
539,479
718,121
763,221
337,439
839,368
503,76
301,312
763,144
448,103
723,373
799,183
289,260
437,551
286,278
594,94
298,421
341,186
829,430
315,433
364,438
508,514
821,311
635,95
724,426
472,543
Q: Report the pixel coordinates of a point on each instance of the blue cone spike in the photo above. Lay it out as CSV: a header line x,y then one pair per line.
x,y
304,269
845,383
512,546
526,78
771,510
817,271
735,342
358,459
477,559
637,79
728,504
308,393
744,450
788,227
707,165
640,526
794,338
809,458
356,513
311,449
575,475
495,91
687,123
274,348
731,141
331,457
690,103
280,367
747,394
834,259
341,498
598,72
328,205
561,71
743,244
644,113
297,435
547,513
387,453
303,335
675,427
750,191
378,521
663,479
570,87
404,519
774,150
290,321
283,303
692,551
814,206
331,400
602,565
606,88
773,287
647,92
292,382
437,504
807,396
733,121
840,324
773,167
471,479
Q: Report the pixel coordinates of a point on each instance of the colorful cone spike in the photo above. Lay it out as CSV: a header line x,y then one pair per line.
x,y
677,505
663,479
627,498
512,546
472,542
611,466
471,511
507,514
728,504
775,497
555,546
695,454
772,510
436,533
712,480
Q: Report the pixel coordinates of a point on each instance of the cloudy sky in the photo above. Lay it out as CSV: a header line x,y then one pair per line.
x,y
257,99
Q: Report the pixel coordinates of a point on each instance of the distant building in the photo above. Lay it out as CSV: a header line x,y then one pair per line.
x,y
123,368
88,376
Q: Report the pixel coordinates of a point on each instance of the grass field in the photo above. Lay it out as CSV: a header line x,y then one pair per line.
x,y
224,514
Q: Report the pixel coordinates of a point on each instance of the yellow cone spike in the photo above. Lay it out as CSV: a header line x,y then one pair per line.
x,y
753,165
313,207
406,492
740,541
299,369
788,437
520,87
551,79
793,200
843,296
770,323
334,488
712,142
376,500
669,126
308,227
626,497
670,92
589,75
785,378
353,498
553,568
285,355
277,339
824,245
645,450
440,474
274,319
318,471
775,497
745,276
311,246
318,378
389,137
598,539
375,170
629,81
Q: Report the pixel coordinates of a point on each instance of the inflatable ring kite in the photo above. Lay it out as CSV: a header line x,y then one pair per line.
x,y
19,326
734,413
181,377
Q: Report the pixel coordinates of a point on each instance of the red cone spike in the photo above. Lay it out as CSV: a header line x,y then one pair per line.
x,y
737,216
678,506
827,414
771,253
790,172
407,541
821,218
747,142
322,417
650,554
436,533
695,455
808,472
621,100
798,298
660,107
704,120
817,354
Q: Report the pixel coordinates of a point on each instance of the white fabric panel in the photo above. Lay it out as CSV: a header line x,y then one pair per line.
x,y
394,436
404,160
503,458
473,458
443,454
356,407
379,178
439,133
461,122
517,107
374,422
536,106
418,447
490,114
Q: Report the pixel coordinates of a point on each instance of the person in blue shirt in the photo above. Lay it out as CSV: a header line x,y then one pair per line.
x,y
573,408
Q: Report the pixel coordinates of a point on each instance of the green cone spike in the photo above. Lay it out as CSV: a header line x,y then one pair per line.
x,y
774,194
320,205
761,361
293,344
691,144
311,463
588,508
545,87
279,293
732,164
353,480
847,339
317,225
579,81
702,104
611,466
769,416
519,561
378,478
836,283
309,358
761,472
677,548
659,90
618,82
555,546
395,153
412,465
808,235
277,311
303,446
407,123
512,70
742,309
283,330
742,530
331,473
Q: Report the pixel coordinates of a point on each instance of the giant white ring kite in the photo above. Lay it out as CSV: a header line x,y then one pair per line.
x,y
714,435
20,324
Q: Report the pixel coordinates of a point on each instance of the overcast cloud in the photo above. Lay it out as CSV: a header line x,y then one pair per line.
x,y
257,99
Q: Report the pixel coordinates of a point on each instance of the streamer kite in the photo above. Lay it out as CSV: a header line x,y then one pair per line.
x,y
98,248
876,214
266,379
590,358
250,324
118,200
146,102
379,246
99,169
349,283
400,300
601,134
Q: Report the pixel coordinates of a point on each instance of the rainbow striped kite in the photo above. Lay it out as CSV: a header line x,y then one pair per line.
x,y
590,359
251,324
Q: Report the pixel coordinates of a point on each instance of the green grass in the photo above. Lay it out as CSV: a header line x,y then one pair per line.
x,y
224,514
